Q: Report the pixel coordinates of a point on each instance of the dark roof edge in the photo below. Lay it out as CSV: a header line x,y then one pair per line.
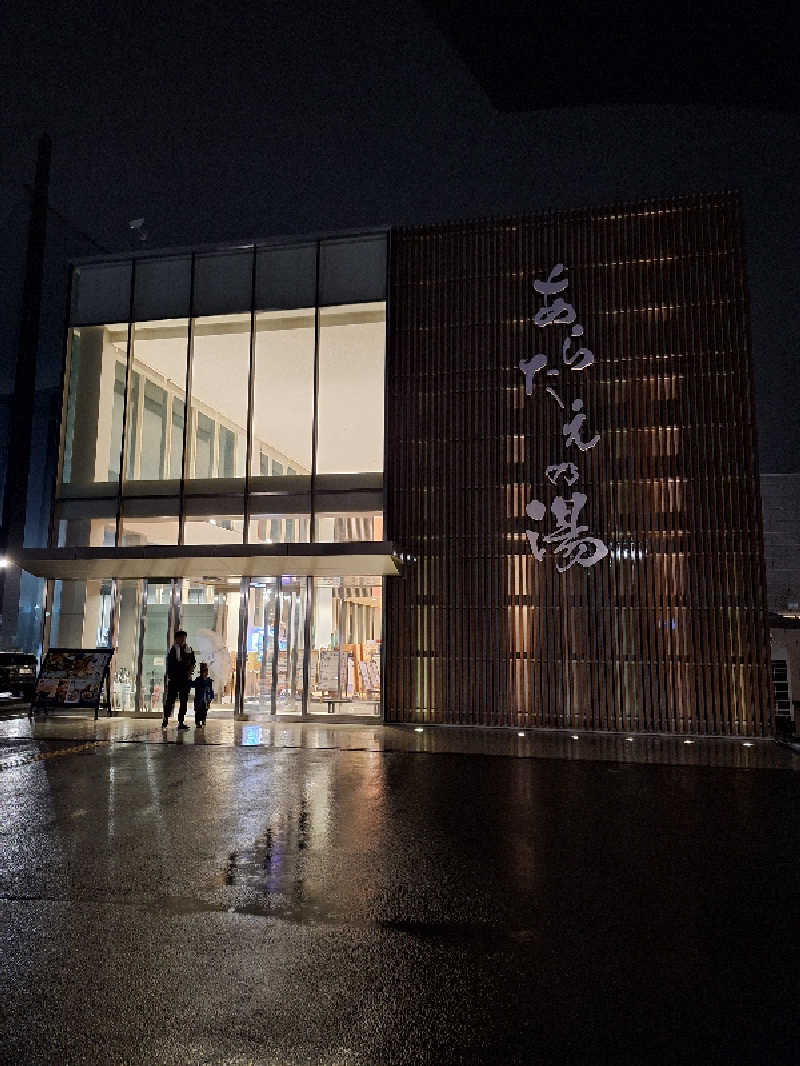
x,y
587,211
282,240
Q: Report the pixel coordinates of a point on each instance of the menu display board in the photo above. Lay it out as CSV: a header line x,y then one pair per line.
x,y
72,678
328,679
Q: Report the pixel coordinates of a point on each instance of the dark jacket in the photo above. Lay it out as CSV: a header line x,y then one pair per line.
x,y
180,664
203,693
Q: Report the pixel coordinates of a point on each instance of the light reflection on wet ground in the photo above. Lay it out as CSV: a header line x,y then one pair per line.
x,y
270,733
279,893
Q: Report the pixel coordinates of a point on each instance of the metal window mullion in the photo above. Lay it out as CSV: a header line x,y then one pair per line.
x,y
187,406
47,613
307,647
123,447
167,439
382,653
250,396
276,628
175,610
315,410
241,648
140,648
384,470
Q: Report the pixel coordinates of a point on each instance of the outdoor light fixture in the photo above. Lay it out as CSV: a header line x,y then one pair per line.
x,y
520,734
688,742
418,729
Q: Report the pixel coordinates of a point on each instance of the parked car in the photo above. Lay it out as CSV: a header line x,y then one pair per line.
x,y
17,673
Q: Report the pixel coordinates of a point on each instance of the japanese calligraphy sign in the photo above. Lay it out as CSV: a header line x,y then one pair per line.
x,y
570,541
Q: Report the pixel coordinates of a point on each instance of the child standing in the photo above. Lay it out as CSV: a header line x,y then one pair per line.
x,y
203,695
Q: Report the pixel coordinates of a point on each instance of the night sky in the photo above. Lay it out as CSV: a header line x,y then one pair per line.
x,y
218,123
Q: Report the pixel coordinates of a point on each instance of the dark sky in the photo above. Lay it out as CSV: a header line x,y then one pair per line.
x,y
232,121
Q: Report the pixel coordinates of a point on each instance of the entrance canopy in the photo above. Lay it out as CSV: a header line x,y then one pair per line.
x,y
376,558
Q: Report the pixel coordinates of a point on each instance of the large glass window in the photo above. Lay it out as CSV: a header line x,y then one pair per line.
x,y
101,292
149,522
351,376
86,523
217,520
126,396
93,429
270,522
220,373
337,528
80,616
156,402
283,394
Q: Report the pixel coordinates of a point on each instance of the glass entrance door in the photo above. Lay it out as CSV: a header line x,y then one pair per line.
x,y
210,616
346,634
276,613
158,632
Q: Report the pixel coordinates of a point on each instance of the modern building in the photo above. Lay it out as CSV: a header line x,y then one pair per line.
x,y
498,472
780,496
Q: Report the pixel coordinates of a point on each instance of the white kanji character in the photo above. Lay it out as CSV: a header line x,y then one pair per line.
x,y
572,543
530,367
572,430
559,311
567,471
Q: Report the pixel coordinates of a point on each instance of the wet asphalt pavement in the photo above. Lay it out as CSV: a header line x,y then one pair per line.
x,y
210,903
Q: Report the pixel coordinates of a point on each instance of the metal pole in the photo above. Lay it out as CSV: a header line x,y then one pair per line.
x,y
307,647
241,648
140,648
276,640
12,534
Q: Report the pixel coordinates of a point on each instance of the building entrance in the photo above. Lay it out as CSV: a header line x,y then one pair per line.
x,y
280,645
313,646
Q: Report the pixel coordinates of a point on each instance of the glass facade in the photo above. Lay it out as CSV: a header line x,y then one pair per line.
x,y
219,400
230,385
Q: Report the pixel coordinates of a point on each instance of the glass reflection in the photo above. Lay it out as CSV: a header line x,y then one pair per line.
x,y
218,420
350,403
156,402
283,394
93,413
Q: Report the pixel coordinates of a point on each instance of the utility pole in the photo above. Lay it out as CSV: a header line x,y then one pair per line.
x,y
15,499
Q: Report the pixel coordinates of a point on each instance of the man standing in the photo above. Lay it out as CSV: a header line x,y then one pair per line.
x,y
180,667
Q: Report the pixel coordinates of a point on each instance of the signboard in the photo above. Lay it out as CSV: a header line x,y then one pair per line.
x,y
328,670
570,541
72,677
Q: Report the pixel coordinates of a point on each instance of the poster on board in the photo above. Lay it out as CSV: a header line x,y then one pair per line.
x,y
72,678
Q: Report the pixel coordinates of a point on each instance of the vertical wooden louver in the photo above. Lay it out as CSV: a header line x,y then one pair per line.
x,y
668,632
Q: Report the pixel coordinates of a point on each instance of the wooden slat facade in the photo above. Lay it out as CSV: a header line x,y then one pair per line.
x,y
669,631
